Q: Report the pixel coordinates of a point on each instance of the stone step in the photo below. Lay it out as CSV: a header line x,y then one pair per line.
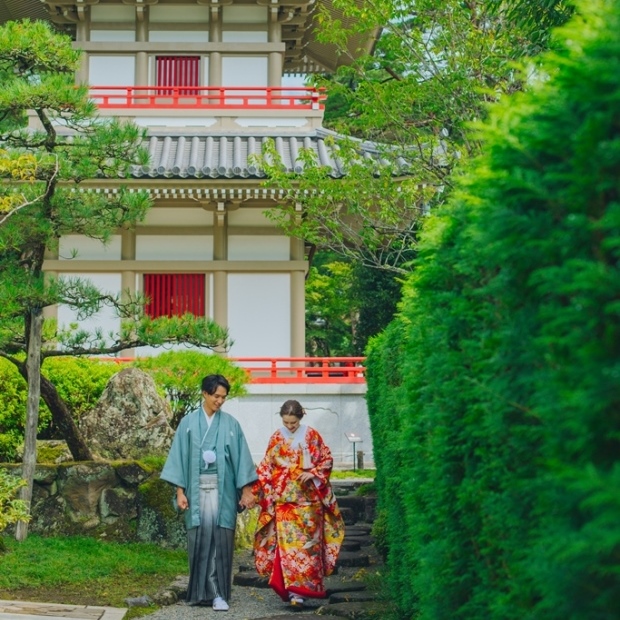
x,y
362,541
348,516
352,597
353,558
351,545
357,529
333,585
367,610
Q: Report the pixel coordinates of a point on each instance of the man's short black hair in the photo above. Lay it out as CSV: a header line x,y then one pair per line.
x,y
211,382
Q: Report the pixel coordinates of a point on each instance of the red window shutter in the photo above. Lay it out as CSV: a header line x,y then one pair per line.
x,y
174,294
177,71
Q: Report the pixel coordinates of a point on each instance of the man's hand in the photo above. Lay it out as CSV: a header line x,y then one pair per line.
x,y
182,502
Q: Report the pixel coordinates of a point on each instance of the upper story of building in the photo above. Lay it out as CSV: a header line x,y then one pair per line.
x,y
219,65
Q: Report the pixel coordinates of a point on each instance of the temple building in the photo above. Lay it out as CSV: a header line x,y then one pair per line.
x,y
210,80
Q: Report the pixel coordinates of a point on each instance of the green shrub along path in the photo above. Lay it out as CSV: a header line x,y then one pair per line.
x,y
495,397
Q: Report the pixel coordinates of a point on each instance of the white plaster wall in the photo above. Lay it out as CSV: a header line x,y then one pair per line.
x,y
244,71
112,13
245,36
113,35
249,217
111,71
174,36
259,314
105,320
171,247
177,216
246,247
84,248
178,14
333,410
244,14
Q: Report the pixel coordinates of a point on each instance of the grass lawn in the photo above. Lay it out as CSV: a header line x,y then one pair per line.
x,y
86,571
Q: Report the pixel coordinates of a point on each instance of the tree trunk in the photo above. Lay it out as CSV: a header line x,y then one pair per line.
x,y
62,418
64,421
33,371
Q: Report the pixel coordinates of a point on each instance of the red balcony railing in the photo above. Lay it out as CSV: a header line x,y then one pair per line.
x,y
303,369
295,369
207,97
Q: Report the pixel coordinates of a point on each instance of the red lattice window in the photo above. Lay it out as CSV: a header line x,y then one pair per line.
x,y
174,294
178,71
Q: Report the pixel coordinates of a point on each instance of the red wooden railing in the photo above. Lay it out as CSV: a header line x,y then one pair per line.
x,y
303,369
295,369
209,97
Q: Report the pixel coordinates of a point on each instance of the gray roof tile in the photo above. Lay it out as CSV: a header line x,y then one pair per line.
x,y
187,155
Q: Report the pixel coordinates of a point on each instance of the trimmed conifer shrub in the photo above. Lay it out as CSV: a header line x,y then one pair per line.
x,y
498,447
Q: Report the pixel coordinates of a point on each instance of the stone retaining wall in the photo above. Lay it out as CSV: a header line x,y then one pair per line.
x,y
120,500
126,501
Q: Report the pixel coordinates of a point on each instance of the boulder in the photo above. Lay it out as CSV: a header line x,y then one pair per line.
x,y
130,421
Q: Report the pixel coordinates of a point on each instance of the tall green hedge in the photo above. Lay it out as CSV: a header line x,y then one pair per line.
x,y
495,398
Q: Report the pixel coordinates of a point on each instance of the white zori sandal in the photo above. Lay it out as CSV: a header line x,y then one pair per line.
x,y
219,604
296,600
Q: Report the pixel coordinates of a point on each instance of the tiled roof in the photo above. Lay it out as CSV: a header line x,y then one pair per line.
x,y
184,155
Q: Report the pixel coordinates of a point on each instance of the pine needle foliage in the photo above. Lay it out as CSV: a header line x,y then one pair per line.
x,y
497,410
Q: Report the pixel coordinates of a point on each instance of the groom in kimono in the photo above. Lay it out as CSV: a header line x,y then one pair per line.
x,y
211,467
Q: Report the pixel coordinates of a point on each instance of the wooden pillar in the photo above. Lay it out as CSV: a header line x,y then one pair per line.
x,y
142,36
128,277
82,34
215,36
298,300
275,58
220,253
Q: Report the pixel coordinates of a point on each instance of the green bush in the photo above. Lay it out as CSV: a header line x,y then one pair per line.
x,y
13,397
495,398
180,373
11,508
79,381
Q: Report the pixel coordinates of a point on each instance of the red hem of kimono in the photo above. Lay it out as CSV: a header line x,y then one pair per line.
x,y
276,581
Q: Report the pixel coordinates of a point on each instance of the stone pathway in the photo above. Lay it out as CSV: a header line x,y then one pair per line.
x,y
348,595
20,610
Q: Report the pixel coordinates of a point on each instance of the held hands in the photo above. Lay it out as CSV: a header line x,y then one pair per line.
x,y
247,498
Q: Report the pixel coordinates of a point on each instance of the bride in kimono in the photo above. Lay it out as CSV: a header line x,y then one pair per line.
x,y
300,528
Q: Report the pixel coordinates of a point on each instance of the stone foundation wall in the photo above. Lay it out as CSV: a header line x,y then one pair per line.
x,y
126,501
121,500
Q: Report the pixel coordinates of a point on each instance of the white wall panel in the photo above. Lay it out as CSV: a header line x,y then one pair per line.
x,y
171,247
174,36
178,14
112,13
113,35
245,36
244,14
89,249
105,320
259,311
244,70
111,70
246,247
178,216
248,217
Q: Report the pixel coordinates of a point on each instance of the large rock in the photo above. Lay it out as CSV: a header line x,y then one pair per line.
x,y
130,421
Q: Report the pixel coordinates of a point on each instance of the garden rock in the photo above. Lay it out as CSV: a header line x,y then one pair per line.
x,y
131,420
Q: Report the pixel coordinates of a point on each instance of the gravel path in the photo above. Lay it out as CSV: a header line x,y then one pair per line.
x,y
246,603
